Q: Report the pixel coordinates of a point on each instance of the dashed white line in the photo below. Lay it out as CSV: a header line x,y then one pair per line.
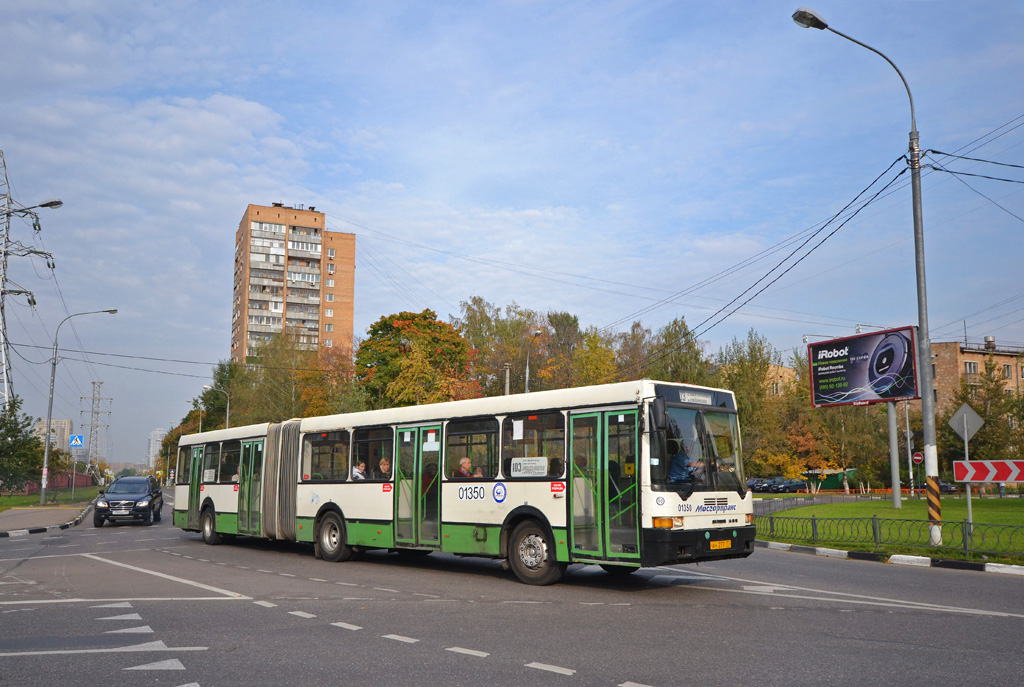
x,y
346,626
400,638
286,575
265,604
551,669
301,614
316,579
468,652
385,589
347,584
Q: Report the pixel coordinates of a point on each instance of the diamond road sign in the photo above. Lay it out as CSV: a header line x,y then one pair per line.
x,y
76,440
965,422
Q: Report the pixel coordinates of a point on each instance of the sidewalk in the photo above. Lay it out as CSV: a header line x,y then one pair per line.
x,y
20,522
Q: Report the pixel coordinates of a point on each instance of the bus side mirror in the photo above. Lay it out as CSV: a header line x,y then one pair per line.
x,y
659,416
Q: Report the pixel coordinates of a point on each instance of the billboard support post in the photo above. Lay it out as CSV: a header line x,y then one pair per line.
x,y
894,455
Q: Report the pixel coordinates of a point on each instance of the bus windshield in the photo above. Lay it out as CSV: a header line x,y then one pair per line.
x,y
699,451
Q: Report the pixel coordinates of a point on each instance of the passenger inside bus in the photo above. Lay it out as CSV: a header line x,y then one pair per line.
x,y
465,469
360,470
384,469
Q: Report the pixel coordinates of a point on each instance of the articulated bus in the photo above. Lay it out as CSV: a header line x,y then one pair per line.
x,y
542,480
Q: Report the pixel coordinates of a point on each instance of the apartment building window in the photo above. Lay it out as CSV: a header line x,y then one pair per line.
x,y
330,253
970,367
328,343
330,269
330,298
328,327
1007,371
330,283
329,312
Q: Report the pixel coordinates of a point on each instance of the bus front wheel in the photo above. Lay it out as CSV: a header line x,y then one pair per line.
x,y
208,526
531,555
330,539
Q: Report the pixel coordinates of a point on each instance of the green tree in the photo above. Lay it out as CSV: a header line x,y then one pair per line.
x,y
677,356
21,451
986,394
632,350
594,362
745,368
500,338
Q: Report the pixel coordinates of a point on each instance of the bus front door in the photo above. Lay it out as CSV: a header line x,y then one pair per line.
x,y
195,484
417,487
605,506
250,476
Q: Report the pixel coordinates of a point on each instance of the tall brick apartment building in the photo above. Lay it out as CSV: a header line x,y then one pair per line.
x,y
290,271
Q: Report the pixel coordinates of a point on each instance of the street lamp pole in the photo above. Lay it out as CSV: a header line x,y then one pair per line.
x,y
811,20
227,411
49,407
529,347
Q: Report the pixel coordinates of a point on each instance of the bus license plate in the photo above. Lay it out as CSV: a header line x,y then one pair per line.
x,y
721,544
123,511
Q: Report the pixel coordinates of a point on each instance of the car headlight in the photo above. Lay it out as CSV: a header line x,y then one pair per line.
x,y
101,504
143,503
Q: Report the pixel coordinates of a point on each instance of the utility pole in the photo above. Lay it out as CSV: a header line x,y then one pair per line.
x,y
94,424
17,249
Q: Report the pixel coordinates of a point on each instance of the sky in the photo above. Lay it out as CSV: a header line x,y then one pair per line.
x,y
619,160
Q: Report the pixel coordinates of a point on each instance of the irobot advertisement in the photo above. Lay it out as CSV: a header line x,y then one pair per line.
x,y
863,369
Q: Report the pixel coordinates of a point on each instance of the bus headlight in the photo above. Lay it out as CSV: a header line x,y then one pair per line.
x,y
668,523
750,518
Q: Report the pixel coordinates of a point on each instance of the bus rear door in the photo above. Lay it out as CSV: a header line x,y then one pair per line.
x,y
195,484
604,501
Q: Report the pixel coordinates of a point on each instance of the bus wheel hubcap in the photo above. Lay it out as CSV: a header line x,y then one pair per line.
x,y
531,551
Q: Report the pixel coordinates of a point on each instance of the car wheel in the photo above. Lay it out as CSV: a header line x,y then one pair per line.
x,y
97,521
159,514
208,525
329,543
531,555
147,518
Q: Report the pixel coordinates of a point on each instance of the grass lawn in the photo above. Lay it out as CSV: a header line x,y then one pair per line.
x,y
62,497
988,511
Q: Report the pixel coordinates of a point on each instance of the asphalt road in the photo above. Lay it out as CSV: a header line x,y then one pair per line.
x,y
153,605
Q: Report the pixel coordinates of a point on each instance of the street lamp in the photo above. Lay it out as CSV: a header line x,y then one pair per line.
x,y
227,412
811,20
49,407
529,347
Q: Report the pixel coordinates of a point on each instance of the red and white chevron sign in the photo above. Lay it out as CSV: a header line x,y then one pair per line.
x,y
988,470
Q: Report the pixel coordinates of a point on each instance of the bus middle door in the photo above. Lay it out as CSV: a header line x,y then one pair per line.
x,y
417,486
250,480
195,484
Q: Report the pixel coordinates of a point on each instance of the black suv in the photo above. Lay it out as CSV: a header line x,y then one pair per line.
x,y
129,498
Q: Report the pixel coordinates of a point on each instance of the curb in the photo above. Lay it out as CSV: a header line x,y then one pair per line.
x,y
895,559
51,528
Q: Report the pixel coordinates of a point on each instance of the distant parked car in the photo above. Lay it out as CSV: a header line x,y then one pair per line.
x,y
790,486
948,487
750,482
766,484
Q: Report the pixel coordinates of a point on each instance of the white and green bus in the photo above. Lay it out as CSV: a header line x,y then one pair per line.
x,y
542,480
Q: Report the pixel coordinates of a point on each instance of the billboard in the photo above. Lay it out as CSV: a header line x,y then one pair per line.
x,y
863,369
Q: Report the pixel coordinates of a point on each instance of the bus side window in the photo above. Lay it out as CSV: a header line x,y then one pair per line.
x,y
475,440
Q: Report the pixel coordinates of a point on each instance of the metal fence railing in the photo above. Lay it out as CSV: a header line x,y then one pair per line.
x,y
961,536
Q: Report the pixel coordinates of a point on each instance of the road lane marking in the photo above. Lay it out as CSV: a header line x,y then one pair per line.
x,y
400,638
169,664
346,626
137,648
551,669
143,630
301,614
126,616
468,652
265,604
165,576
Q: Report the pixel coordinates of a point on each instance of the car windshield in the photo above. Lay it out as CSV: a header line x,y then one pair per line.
x,y
127,488
699,451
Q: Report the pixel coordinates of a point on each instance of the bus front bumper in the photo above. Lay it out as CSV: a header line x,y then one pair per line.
x,y
664,547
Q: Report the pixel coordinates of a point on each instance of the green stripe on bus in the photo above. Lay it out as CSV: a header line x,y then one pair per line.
x,y
474,539
378,535
305,529
227,523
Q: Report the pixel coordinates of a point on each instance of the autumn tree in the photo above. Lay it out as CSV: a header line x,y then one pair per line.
x,y
745,367
330,386
594,361
986,394
392,340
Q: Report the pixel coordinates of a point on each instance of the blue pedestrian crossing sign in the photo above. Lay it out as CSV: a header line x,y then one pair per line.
x,y
76,440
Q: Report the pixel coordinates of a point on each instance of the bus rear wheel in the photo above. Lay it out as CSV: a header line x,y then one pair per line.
x,y
208,526
330,539
531,555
